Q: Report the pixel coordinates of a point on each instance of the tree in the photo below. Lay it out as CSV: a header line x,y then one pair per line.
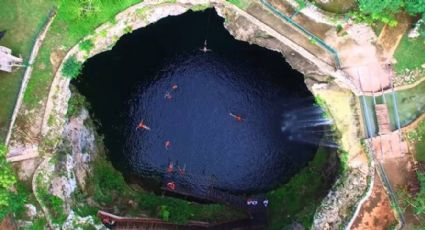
x,y
10,201
381,10
7,175
72,67
417,7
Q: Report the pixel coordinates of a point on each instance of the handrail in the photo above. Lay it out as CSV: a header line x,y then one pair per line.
x,y
310,35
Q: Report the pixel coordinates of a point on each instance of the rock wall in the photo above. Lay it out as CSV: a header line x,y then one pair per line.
x,y
334,209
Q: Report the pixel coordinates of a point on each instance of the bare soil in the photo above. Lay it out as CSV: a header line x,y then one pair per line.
x,y
376,213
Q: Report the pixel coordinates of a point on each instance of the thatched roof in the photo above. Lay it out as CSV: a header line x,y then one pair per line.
x,y
7,60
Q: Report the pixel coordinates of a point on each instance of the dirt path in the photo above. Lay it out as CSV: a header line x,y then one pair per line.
x,y
28,71
390,37
376,213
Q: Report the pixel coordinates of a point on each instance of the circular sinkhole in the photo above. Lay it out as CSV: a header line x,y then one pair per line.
x,y
213,115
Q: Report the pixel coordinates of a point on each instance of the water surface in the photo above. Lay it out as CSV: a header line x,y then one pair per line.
x,y
128,84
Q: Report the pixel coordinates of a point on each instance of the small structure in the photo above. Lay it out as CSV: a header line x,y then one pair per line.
x,y
383,119
7,60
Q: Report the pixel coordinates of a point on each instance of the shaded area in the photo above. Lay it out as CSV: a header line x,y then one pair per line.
x,y
130,84
336,6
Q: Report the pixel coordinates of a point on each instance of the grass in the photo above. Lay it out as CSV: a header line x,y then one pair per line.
x,y
87,45
72,67
76,103
417,136
300,197
243,4
69,12
23,20
336,6
410,104
415,204
54,204
410,54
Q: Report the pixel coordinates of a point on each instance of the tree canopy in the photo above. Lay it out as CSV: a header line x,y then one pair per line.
x,y
10,201
385,10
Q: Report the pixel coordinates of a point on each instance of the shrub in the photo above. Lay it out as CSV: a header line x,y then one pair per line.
x,y
87,45
72,68
10,201
76,103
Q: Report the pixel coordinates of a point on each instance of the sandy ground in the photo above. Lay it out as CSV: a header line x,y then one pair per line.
x,y
376,212
390,36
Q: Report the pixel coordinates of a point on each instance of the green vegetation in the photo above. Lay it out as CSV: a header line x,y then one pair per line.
x,y
301,5
336,6
89,14
38,224
385,11
76,103
12,197
23,21
382,11
72,67
200,7
410,54
243,4
417,137
54,204
299,198
410,103
107,186
415,203
87,45
128,30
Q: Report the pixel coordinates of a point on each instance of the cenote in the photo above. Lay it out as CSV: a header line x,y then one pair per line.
x,y
129,84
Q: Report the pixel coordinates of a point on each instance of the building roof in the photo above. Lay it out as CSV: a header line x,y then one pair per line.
x,y
7,60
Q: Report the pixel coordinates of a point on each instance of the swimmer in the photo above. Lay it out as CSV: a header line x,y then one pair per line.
x,y
170,168
168,96
171,185
205,49
237,117
182,170
167,144
143,126
174,86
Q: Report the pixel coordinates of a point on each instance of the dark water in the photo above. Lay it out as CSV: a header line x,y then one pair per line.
x,y
128,84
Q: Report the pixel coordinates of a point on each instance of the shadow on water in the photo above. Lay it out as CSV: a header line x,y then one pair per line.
x,y
194,125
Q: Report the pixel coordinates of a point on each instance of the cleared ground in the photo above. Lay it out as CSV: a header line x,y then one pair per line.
x,y
376,213
22,20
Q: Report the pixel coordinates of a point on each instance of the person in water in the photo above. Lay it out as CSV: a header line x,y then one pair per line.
x,y
205,49
168,96
170,168
142,125
171,185
237,117
167,144
182,170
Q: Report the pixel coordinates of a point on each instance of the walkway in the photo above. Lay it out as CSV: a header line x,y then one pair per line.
x,y
28,71
355,51
255,207
390,37
146,223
